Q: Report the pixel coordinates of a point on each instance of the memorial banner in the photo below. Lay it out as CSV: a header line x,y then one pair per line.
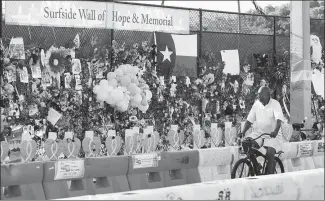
x,y
84,14
145,18
57,13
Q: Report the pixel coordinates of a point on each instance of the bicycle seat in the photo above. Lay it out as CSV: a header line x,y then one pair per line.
x,y
279,152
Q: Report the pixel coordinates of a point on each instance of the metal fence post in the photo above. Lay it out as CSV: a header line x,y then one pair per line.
x,y
111,53
274,40
198,67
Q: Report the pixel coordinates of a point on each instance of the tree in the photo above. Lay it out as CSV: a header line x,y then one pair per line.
x,y
283,24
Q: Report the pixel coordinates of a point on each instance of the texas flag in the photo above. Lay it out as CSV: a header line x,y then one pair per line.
x,y
176,54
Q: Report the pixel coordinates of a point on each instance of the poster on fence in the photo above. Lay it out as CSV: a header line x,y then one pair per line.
x,y
69,169
16,48
231,59
305,150
89,14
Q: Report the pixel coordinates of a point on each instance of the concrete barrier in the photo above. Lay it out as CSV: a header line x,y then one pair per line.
x,y
318,155
62,188
215,163
305,151
180,167
287,186
22,181
106,175
146,177
289,157
298,156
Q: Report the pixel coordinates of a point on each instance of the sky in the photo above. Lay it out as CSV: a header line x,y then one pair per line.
x,y
230,6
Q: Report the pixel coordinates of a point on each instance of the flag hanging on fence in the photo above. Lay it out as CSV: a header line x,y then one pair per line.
x,y
176,54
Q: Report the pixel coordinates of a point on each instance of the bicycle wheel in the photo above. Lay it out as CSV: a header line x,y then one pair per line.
x,y
278,168
240,166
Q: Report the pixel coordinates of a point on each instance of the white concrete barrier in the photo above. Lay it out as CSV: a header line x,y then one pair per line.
x,y
300,185
214,164
298,156
318,155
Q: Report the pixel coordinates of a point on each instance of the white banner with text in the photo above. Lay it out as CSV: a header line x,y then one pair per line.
x,y
84,14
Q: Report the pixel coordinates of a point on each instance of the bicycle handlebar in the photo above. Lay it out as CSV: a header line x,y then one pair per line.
x,y
262,135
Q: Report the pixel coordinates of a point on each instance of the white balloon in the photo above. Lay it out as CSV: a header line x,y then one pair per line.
x,y
137,99
110,100
102,96
108,88
111,75
117,94
118,72
96,89
103,83
148,95
123,68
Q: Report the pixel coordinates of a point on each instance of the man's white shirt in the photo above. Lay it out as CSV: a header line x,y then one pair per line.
x,y
264,120
265,117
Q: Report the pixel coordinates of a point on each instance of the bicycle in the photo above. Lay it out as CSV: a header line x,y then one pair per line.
x,y
254,167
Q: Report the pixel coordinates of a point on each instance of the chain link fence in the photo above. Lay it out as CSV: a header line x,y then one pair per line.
x,y
216,30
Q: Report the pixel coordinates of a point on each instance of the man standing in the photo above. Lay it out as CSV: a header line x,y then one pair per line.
x,y
267,115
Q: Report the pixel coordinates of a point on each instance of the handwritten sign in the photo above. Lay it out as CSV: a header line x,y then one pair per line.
x,y
145,160
16,48
69,169
320,147
305,150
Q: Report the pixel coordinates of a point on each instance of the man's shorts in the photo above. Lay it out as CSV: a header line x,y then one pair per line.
x,y
276,143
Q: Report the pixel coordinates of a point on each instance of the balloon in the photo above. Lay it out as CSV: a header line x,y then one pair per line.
x,y
132,88
123,68
137,90
117,95
125,80
134,104
111,75
112,83
144,102
137,99
103,83
102,96
110,100
141,85
148,95
96,89
108,89
143,108
118,72
123,89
